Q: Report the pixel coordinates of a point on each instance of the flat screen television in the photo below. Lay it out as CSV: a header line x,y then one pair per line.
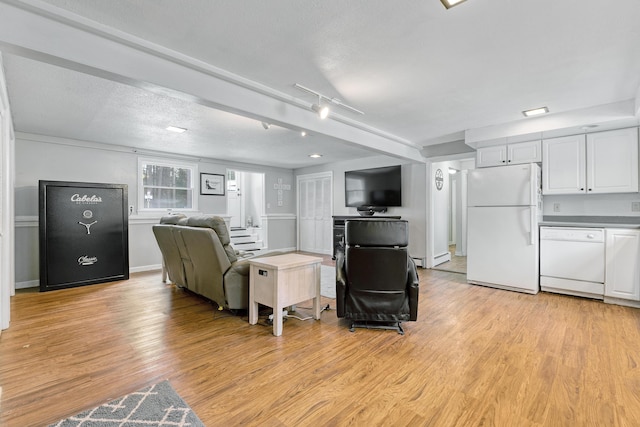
x,y
373,188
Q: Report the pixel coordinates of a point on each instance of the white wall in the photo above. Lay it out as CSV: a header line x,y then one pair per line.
x,y
591,204
414,202
47,158
7,234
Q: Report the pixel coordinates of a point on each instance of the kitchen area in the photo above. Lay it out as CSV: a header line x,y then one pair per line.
x,y
558,215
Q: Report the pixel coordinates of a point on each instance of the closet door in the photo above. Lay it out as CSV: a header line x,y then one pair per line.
x,y
314,213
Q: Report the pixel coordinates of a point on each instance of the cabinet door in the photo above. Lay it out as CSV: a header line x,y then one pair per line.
x,y
612,161
564,165
524,152
491,156
622,278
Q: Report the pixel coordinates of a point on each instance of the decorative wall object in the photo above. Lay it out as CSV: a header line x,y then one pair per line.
x,y
439,179
280,188
211,184
83,234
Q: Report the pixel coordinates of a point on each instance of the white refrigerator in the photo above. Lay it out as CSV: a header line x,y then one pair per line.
x,y
504,207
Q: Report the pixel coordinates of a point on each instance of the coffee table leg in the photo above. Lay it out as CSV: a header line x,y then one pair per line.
x,y
277,321
253,312
316,300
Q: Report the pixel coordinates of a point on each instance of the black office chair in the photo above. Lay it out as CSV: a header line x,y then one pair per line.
x,y
376,279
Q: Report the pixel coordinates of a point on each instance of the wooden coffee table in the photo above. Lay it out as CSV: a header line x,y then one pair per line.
x,y
281,281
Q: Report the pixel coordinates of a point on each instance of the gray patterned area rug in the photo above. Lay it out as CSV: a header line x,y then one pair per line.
x,y
157,405
328,281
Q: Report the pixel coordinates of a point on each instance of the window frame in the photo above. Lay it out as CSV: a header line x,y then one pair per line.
x,y
195,182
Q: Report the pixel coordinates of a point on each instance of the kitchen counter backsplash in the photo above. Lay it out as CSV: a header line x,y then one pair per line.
x,y
591,221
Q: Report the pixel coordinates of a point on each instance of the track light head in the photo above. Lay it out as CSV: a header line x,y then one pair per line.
x,y
266,125
322,110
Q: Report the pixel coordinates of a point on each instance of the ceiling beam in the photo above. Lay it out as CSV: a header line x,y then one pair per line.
x,y
46,33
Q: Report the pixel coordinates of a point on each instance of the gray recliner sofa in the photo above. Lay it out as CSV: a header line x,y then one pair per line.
x,y
197,255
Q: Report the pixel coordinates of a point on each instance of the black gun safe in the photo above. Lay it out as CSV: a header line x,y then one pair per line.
x,y
84,235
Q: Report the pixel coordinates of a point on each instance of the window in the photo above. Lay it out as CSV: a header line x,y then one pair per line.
x,y
164,185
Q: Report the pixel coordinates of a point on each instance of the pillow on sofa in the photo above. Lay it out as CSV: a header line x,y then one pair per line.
x,y
220,227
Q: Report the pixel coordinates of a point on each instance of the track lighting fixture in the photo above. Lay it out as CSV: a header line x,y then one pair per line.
x,y
450,3
321,110
321,107
266,125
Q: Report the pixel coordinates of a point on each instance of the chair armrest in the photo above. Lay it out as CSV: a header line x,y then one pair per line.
x,y
413,288
341,283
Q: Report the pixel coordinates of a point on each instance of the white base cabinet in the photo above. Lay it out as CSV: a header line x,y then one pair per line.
x,y
622,276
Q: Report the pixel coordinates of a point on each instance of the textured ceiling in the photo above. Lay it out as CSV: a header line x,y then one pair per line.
x,y
418,71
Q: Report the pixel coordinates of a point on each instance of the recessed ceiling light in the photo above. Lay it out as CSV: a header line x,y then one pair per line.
x,y
175,129
535,111
450,3
315,156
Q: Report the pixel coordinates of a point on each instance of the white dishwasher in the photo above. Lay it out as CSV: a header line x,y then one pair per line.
x,y
572,261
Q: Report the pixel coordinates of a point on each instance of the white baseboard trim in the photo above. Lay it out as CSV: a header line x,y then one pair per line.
x,y
420,262
145,268
28,284
439,259
292,249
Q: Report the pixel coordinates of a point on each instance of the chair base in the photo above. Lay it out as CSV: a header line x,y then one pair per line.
x,y
396,326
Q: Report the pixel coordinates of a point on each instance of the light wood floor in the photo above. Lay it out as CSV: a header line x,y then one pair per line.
x,y
476,356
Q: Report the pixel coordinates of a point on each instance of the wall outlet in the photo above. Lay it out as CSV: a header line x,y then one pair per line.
x,y
556,207
635,206
131,210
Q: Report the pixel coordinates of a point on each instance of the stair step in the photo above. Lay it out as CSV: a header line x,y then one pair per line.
x,y
242,239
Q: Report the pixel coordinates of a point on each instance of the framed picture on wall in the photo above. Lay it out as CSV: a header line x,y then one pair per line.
x,y
211,184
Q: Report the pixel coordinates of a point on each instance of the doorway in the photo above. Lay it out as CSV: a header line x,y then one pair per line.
x,y
245,198
451,215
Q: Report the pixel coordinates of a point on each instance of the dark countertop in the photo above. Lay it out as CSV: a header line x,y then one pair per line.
x,y
591,221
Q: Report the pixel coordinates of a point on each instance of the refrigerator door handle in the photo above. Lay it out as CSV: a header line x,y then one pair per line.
x,y
533,225
533,188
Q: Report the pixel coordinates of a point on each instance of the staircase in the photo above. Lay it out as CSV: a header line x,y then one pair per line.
x,y
247,239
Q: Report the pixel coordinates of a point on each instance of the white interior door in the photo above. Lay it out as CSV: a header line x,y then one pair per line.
x,y
314,213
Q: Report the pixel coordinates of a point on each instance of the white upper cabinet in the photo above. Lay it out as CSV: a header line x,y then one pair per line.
x,y
564,165
511,154
603,162
524,152
612,161
491,156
